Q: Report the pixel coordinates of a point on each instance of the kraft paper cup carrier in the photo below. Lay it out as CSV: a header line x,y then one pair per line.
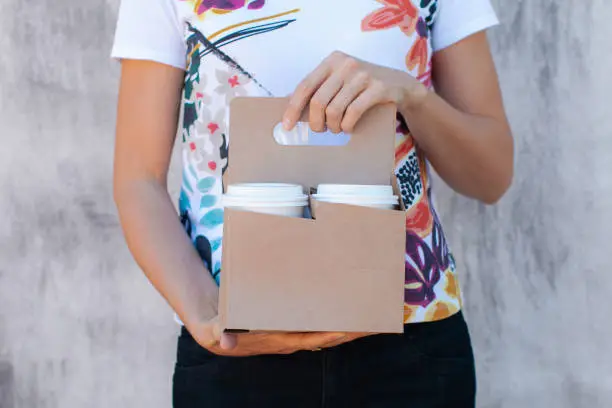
x,y
342,270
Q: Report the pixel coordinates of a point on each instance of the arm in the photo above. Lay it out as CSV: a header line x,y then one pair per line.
x,y
146,128
462,128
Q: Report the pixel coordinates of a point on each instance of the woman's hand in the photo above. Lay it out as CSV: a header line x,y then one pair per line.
x,y
342,88
210,336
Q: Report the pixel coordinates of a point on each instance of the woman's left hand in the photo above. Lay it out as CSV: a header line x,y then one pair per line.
x,y
342,88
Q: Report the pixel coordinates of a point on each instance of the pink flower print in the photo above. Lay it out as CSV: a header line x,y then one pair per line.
x,y
203,99
231,84
233,81
418,56
394,13
214,129
198,149
257,4
213,125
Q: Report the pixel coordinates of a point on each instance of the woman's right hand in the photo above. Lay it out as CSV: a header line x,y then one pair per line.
x,y
210,336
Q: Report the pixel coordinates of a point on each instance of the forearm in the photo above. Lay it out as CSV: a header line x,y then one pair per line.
x,y
163,250
473,154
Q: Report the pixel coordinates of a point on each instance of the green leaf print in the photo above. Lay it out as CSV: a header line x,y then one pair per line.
x,y
190,115
216,244
208,201
212,219
186,183
192,171
184,204
188,89
194,67
206,184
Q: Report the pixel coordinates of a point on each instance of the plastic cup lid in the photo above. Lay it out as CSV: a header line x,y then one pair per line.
x,y
347,199
265,190
355,190
242,204
258,199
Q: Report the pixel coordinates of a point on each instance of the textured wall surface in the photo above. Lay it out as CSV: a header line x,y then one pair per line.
x,y
81,327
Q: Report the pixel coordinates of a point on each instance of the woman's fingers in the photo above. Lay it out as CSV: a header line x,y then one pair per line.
x,y
278,343
321,99
341,90
274,343
370,97
348,338
228,341
339,93
315,341
336,110
340,82
304,92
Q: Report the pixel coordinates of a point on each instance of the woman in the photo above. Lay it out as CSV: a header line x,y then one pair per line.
x,y
339,58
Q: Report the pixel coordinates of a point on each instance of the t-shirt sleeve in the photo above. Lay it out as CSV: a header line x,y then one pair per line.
x,y
458,19
150,30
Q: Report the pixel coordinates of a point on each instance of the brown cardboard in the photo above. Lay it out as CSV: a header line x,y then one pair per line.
x,y
343,271
368,157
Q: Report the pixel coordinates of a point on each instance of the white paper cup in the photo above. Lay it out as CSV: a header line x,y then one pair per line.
x,y
267,198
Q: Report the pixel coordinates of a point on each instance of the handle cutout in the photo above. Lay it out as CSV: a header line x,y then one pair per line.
x,y
302,135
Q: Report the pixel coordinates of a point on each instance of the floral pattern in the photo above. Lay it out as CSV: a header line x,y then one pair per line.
x,y
214,77
207,92
213,128
201,7
418,56
407,17
431,290
394,13
231,84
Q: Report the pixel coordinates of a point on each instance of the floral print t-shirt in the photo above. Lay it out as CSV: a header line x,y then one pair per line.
x,y
232,48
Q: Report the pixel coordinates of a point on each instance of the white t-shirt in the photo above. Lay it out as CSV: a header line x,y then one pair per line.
x,y
234,48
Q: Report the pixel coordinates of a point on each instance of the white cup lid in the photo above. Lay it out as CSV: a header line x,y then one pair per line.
x,y
248,203
267,190
348,199
355,190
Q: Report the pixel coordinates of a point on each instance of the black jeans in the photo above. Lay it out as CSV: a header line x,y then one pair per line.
x,y
430,365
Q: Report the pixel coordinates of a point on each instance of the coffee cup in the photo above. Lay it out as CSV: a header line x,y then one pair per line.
x,y
280,199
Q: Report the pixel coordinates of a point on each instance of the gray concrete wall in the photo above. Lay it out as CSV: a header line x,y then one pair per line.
x,y
81,327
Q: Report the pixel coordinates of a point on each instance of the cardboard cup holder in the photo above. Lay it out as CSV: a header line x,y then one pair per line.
x,y
342,269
